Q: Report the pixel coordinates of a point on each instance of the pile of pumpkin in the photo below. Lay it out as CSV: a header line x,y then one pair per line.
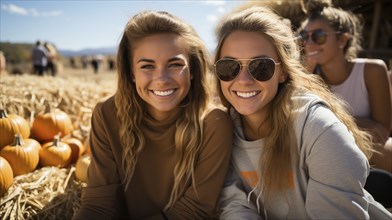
x,y
48,143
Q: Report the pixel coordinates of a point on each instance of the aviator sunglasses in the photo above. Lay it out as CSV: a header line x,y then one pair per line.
x,y
318,36
261,69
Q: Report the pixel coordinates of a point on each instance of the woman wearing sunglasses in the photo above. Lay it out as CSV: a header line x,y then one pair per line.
x,y
159,151
331,40
297,153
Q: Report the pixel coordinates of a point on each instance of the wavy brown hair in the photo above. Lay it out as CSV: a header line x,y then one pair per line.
x,y
279,144
131,108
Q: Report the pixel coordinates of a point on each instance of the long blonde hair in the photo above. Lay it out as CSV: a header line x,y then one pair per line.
x,y
130,107
276,159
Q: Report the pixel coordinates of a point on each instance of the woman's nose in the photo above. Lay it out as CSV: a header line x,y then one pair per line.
x,y
161,74
244,74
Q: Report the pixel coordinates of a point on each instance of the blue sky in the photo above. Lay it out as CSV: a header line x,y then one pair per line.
x,y
76,25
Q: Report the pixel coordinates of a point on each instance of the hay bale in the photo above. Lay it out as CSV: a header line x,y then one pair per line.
x,y
50,192
46,193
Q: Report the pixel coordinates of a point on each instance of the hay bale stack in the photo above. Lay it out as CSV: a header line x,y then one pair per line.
x,y
50,192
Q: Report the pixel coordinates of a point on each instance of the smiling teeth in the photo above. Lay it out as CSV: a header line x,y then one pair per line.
x,y
312,53
246,94
163,93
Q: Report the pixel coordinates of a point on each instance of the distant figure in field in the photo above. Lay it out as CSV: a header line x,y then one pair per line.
x,y
96,62
111,63
84,60
72,62
3,62
51,67
39,56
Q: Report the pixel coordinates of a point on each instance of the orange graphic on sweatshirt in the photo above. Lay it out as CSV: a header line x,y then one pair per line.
x,y
250,177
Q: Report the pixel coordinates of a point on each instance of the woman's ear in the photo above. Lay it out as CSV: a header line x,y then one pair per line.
x,y
282,77
343,40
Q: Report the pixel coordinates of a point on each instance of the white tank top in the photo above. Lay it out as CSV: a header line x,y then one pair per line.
x,y
353,90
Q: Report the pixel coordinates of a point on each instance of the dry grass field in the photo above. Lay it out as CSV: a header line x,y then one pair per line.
x,y
51,192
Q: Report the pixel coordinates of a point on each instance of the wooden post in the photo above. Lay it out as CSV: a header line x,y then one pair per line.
x,y
376,23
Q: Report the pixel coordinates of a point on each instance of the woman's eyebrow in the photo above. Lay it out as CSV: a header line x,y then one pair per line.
x,y
145,60
175,59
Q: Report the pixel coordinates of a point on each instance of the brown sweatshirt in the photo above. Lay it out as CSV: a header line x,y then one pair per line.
x,y
151,185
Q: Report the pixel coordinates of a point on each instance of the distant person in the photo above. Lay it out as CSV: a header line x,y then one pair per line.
x,y
159,149
95,64
72,62
3,63
39,56
51,67
111,63
84,60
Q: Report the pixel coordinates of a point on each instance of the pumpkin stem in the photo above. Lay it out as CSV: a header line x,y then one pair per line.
x,y
57,139
48,108
3,113
18,140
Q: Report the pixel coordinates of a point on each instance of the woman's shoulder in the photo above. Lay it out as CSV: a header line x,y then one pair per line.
x,y
105,104
215,112
375,72
216,116
374,66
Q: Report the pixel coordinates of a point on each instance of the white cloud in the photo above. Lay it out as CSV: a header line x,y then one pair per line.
x,y
51,13
213,2
33,12
14,9
221,10
212,18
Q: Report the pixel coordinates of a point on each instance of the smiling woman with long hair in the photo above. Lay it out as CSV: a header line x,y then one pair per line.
x,y
297,153
159,151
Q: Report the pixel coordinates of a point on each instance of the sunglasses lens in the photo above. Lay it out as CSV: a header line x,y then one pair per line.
x,y
303,35
319,37
227,70
261,69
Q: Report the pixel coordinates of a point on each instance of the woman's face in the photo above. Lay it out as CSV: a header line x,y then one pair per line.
x,y
327,49
247,95
161,73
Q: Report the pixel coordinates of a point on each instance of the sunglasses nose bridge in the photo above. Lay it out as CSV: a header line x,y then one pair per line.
x,y
308,39
244,73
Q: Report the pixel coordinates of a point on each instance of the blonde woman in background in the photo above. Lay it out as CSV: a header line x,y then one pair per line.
x,y
158,150
297,153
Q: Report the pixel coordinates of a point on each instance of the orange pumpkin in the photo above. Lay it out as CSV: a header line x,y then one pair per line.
x,y
77,148
10,125
81,167
49,123
23,155
55,153
6,176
